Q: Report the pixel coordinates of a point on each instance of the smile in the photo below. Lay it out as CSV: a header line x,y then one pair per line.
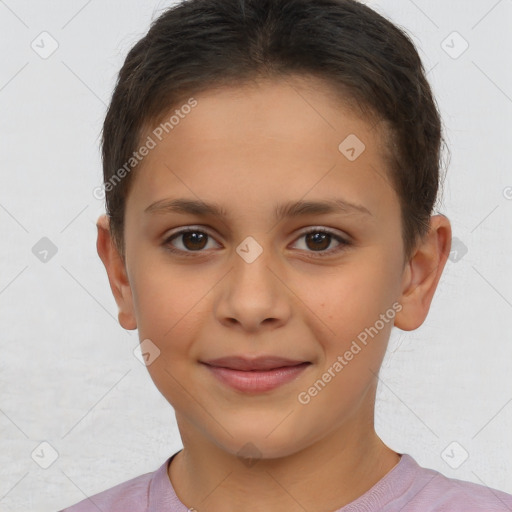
x,y
257,381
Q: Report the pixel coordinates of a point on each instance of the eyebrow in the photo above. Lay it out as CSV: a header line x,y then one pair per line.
x,y
286,210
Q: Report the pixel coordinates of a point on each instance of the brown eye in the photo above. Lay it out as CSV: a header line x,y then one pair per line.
x,y
187,240
194,240
318,240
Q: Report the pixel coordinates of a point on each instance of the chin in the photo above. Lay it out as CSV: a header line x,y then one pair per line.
x,y
253,446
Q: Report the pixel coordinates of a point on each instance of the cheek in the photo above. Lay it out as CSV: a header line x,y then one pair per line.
x,y
170,312
351,295
347,321
164,301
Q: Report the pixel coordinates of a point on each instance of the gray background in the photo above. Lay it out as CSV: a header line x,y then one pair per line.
x,y
69,376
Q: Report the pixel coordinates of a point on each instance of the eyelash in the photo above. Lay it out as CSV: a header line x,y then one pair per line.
x,y
343,242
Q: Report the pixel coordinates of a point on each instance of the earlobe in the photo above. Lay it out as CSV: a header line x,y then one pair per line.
x,y
116,272
422,273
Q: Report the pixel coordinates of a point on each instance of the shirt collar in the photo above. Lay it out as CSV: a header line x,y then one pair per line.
x,y
161,492
396,482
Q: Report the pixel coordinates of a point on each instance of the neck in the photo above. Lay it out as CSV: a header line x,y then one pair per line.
x,y
325,475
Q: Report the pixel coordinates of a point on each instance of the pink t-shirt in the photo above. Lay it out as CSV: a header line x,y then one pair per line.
x,y
408,487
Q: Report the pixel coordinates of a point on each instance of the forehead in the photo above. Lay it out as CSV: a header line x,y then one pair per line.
x,y
268,138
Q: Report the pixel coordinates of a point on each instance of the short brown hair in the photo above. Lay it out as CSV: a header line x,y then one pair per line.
x,y
200,44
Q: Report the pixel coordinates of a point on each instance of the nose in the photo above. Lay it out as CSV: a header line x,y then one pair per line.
x,y
253,295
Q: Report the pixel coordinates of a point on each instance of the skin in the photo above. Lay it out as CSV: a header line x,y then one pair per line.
x,y
250,148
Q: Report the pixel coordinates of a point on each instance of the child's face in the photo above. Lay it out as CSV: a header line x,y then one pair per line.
x,y
251,151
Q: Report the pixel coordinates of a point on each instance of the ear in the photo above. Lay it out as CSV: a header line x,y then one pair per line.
x,y
422,273
116,272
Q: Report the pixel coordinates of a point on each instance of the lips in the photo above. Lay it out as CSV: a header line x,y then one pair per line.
x,y
258,375
261,363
